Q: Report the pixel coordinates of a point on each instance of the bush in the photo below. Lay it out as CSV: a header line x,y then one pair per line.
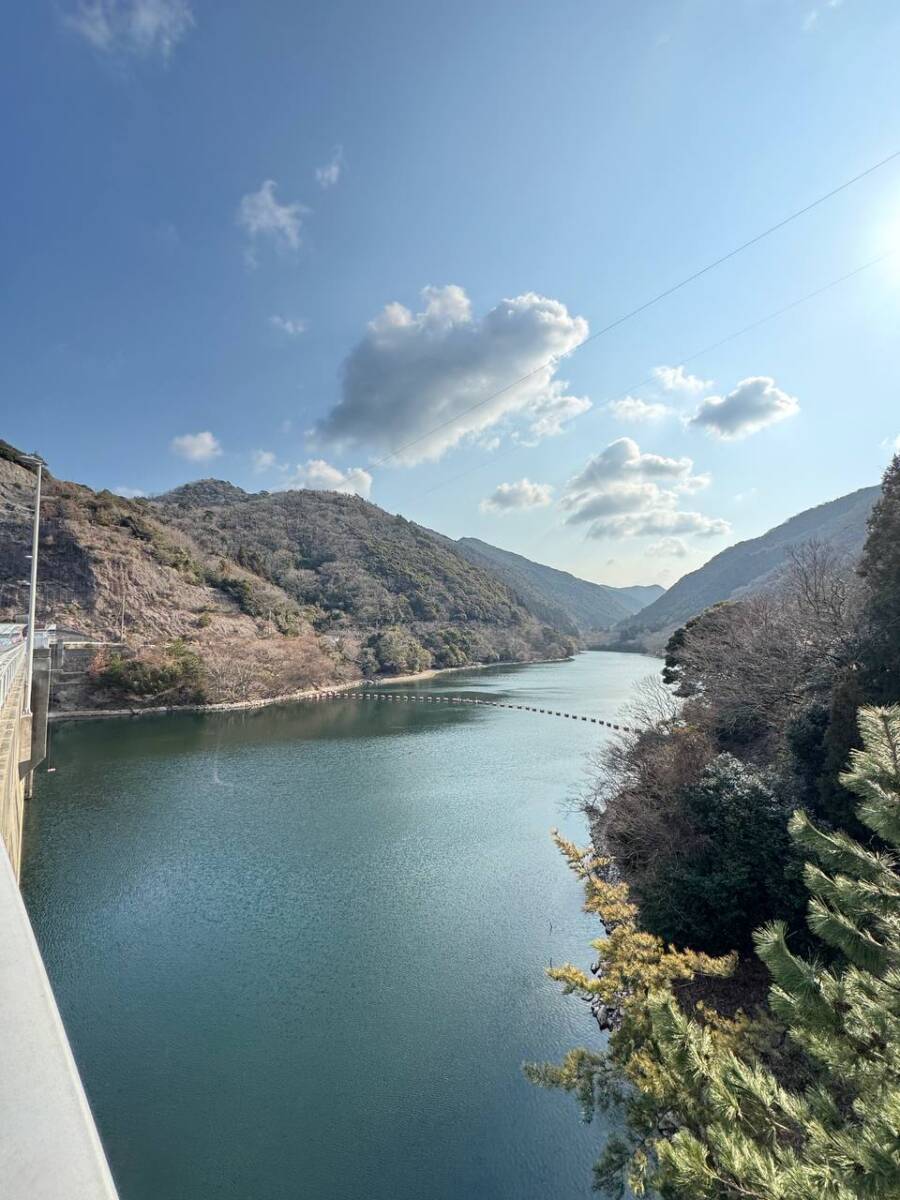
x,y
734,873
175,676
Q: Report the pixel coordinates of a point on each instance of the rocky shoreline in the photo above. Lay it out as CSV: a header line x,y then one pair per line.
x,y
89,714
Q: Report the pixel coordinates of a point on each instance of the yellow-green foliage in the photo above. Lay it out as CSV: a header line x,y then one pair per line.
x,y
710,1111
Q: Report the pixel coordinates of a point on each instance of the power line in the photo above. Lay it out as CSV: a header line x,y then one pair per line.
x,y
684,360
670,291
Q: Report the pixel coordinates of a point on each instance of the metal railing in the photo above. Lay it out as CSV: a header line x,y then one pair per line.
x,y
11,662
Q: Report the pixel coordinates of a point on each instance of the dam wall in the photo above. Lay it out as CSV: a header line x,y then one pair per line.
x,y
51,1149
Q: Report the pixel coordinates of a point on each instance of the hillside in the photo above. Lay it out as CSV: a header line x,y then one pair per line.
x,y
219,592
556,596
748,566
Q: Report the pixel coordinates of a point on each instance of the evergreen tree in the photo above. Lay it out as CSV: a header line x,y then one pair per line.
x,y
880,568
874,675
712,1113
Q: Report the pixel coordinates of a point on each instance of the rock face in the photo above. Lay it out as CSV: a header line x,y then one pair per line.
x,y
565,600
752,565
258,594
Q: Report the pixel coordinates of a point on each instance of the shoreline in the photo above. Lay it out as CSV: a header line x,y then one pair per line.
x,y
90,714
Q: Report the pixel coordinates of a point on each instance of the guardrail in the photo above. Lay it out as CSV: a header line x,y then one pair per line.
x,y
10,663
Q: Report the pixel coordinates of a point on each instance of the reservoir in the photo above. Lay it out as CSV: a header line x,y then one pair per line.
x,y
300,951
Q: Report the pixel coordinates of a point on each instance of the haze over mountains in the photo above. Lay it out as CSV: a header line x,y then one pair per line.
x,y
751,565
556,596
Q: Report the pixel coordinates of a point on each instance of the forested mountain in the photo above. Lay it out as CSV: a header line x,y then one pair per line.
x,y
216,593
556,596
751,565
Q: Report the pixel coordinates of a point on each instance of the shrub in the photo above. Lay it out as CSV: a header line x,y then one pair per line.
x,y
734,873
173,676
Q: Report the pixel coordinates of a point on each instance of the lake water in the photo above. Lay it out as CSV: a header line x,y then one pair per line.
x,y
299,951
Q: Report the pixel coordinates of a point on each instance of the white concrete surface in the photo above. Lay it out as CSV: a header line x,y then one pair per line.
x,y
49,1146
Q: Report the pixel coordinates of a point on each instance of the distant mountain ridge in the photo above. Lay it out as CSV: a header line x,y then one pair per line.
x,y
750,565
557,597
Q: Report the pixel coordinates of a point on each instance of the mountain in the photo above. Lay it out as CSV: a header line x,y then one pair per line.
x,y
238,595
556,596
751,565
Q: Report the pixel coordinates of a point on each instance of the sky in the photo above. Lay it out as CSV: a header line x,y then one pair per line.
x,y
375,248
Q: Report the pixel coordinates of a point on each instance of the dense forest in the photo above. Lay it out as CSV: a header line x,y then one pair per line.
x,y
744,868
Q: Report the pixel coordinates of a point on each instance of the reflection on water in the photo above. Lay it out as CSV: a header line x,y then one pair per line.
x,y
300,950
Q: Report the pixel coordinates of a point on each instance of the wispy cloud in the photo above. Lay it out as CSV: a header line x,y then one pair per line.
x,y
517,497
129,493
670,547
263,460
329,174
196,447
131,27
632,409
261,215
292,326
676,379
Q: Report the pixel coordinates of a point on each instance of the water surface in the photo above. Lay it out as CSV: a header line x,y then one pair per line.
x,y
299,951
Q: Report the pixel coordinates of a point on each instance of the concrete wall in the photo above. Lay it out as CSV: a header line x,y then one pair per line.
x,y
49,1147
15,756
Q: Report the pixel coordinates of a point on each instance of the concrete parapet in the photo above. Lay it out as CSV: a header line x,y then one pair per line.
x,y
51,1150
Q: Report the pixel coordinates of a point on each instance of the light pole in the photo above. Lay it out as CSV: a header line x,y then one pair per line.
x,y
32,599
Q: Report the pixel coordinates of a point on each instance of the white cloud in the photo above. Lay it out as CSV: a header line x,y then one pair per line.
x,y
129,493
634,410
658,521
196,447
624,492
328,175
417,384
754,404
892,444
321,476
517,497
292,326
263,460
261,215
676,379
669,547
139,27
623,462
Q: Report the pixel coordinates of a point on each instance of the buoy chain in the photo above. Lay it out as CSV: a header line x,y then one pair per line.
x,y
408,697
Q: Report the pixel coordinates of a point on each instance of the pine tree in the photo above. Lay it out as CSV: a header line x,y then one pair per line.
x,y
711,1115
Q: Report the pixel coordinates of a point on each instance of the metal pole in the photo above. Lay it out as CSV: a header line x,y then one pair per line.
x,y
32,599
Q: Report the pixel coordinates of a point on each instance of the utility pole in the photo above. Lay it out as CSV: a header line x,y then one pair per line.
x,y
32,599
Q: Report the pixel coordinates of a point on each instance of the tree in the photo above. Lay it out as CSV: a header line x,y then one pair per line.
x,y
880,570
872,674
720,1111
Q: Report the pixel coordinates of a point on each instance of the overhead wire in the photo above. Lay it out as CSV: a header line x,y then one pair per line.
x,y
645,305
685,360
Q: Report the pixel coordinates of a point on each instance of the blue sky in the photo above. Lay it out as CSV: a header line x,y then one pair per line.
x,y
288,243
